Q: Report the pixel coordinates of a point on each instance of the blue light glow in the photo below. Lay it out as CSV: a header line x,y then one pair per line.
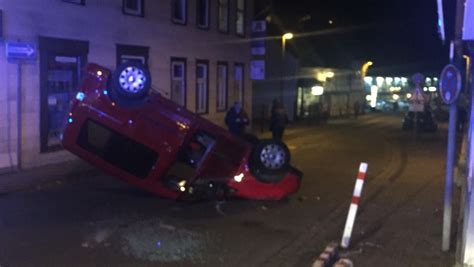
x,y
106,92
130,121
80,96
158,244
70,120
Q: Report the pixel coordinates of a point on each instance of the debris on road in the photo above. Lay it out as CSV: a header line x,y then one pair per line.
x,y
302,198
167,227
219,205
343,263
372,245
148,240
328,257
351,252
98,238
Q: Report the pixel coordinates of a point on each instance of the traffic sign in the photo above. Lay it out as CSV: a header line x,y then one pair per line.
x,y
17,50
417,101
418,79
450,84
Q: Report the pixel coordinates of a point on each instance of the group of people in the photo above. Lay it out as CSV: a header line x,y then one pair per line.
x,y
237,119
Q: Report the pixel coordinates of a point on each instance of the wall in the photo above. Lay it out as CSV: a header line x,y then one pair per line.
x,y
103,24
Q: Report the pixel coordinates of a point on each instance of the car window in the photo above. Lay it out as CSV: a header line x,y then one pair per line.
x,y
117,149
196,149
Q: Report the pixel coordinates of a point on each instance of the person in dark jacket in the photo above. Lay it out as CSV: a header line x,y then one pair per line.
x,y
279,120
236,119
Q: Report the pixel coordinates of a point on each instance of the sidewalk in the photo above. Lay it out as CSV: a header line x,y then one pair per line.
x,y
15,181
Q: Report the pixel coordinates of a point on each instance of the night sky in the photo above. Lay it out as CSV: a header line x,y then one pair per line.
x,y
399,36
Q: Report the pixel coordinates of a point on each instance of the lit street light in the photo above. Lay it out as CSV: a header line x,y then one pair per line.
x,y
373,92
468,70
284,37
364,68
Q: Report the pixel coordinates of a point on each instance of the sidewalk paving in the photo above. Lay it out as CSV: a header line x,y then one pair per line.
x,y
30,178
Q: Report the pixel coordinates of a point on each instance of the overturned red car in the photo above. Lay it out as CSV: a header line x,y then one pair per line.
x,y
122,127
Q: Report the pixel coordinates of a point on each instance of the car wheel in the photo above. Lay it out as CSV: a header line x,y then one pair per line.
x,y
131,80
270,160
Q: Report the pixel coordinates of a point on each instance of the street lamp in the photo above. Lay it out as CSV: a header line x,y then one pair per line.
x,y
468,70
363,72
284,37
364,68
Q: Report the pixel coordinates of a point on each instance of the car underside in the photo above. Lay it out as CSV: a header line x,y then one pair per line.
x,y
119,124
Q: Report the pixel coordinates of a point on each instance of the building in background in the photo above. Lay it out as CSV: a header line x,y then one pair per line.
x,y
385,93
328,92
196,51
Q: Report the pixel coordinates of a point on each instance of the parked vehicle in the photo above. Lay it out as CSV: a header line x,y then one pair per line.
x,y
425,121
121,126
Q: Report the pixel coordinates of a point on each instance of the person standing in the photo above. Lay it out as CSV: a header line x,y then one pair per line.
x,y
279,120
236,119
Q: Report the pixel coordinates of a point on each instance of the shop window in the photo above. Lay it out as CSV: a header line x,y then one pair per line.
x,y
61,62
178,9
223,15
203,14
178,81
133,7
240,18
221,86
202,84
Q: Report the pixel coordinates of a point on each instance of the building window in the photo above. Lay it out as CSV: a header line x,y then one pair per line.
x,y
78,2
221,86
223,15
238,88
178,81
178,9
202,14
240,18
132,53
202,85
61,62
133,7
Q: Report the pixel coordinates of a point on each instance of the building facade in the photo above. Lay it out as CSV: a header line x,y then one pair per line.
x,y
332,91
197,52
279,82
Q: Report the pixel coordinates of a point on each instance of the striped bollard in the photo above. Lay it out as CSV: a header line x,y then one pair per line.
x,y
346,237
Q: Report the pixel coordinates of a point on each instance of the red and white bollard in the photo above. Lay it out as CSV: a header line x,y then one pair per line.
x,y
346,237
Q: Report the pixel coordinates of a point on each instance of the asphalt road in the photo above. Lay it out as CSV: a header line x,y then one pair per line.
x,y
95,220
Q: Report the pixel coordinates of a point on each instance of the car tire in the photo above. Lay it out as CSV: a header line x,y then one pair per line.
x,y
270,161
131,81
